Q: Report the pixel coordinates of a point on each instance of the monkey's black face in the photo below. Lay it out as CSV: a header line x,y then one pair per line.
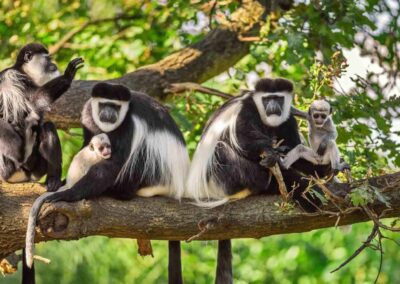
x,y
109,112
273,105
320,117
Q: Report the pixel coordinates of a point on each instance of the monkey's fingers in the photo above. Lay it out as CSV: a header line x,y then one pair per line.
x,y
73,67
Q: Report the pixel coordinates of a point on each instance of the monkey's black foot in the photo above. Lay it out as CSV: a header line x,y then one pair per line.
x,y
53,184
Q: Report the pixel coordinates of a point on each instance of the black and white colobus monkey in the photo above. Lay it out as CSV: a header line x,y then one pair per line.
x,y
29,147
98,149
322,136
149,155
227,163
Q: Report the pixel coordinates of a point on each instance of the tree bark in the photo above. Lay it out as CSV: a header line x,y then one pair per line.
x,y
166,219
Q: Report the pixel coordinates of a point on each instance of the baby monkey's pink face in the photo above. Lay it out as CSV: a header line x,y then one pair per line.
x,y
101,145
320,110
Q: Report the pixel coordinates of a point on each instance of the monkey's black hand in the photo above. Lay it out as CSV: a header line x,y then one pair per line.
x,y
53,184
344,166
322,147
269,159
73,67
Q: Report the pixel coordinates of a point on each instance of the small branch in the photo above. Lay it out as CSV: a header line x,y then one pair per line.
x,y
177,88
56,47
144,247
370,238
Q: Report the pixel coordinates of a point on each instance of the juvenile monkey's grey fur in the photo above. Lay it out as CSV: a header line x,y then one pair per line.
x,y
322,136
98,150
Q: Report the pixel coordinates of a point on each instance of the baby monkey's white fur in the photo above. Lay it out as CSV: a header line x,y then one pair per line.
x,y
321,130
98,149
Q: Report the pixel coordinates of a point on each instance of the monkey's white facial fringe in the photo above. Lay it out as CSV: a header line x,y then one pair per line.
x,y
35,69
105,126
164,154
273,120
14,102
204,164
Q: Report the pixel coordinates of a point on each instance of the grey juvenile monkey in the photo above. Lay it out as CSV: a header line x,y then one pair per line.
x,y
98,149
322,136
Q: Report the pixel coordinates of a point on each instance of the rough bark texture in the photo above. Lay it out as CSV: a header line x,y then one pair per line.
x,y
166,219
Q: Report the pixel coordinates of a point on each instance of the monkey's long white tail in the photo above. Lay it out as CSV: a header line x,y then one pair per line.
x,y
210,204
30,231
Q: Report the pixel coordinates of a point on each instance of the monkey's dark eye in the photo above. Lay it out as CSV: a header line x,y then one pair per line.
x,y
91,147
28,56
323,116
101,148
315,115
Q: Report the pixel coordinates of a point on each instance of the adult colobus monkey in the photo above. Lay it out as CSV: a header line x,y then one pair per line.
x,y
149,155
227,163
29,147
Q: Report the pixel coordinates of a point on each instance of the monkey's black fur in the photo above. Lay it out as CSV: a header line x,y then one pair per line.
x,y
244,168
46,155
46,152
102,177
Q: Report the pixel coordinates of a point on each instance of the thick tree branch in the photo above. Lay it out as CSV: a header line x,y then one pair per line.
x,y
220,49
166,219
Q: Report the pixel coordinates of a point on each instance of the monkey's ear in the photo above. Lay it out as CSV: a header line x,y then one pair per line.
x,y
28,56
330,110
309,111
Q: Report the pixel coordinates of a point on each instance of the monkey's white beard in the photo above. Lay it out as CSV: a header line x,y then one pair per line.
x,y
35,70
273,120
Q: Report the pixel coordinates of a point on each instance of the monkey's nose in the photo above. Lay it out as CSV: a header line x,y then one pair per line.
x,y
106,152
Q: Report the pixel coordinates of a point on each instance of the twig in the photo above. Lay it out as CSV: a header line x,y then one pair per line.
x,y
210,16
204,225
375,218
144,247
370,238
56,47
177,88
42,259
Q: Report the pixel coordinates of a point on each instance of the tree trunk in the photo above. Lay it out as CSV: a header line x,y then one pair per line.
x,y
165,219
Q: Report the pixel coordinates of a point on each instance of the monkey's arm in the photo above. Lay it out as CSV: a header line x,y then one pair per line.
x,y
11,143
299,113
328,138
99,178
52,90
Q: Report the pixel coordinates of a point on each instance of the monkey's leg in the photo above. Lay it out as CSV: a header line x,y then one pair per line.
x,y
50,151
7,168
11,144
300,151
334,155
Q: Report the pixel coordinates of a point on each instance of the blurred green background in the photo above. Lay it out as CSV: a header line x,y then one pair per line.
x,y
347,51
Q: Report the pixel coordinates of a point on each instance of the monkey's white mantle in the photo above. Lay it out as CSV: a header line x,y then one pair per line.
x,y
165,219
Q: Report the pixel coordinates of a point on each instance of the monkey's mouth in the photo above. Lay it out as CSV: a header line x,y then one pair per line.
x,y
52,68
273,105
105,151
